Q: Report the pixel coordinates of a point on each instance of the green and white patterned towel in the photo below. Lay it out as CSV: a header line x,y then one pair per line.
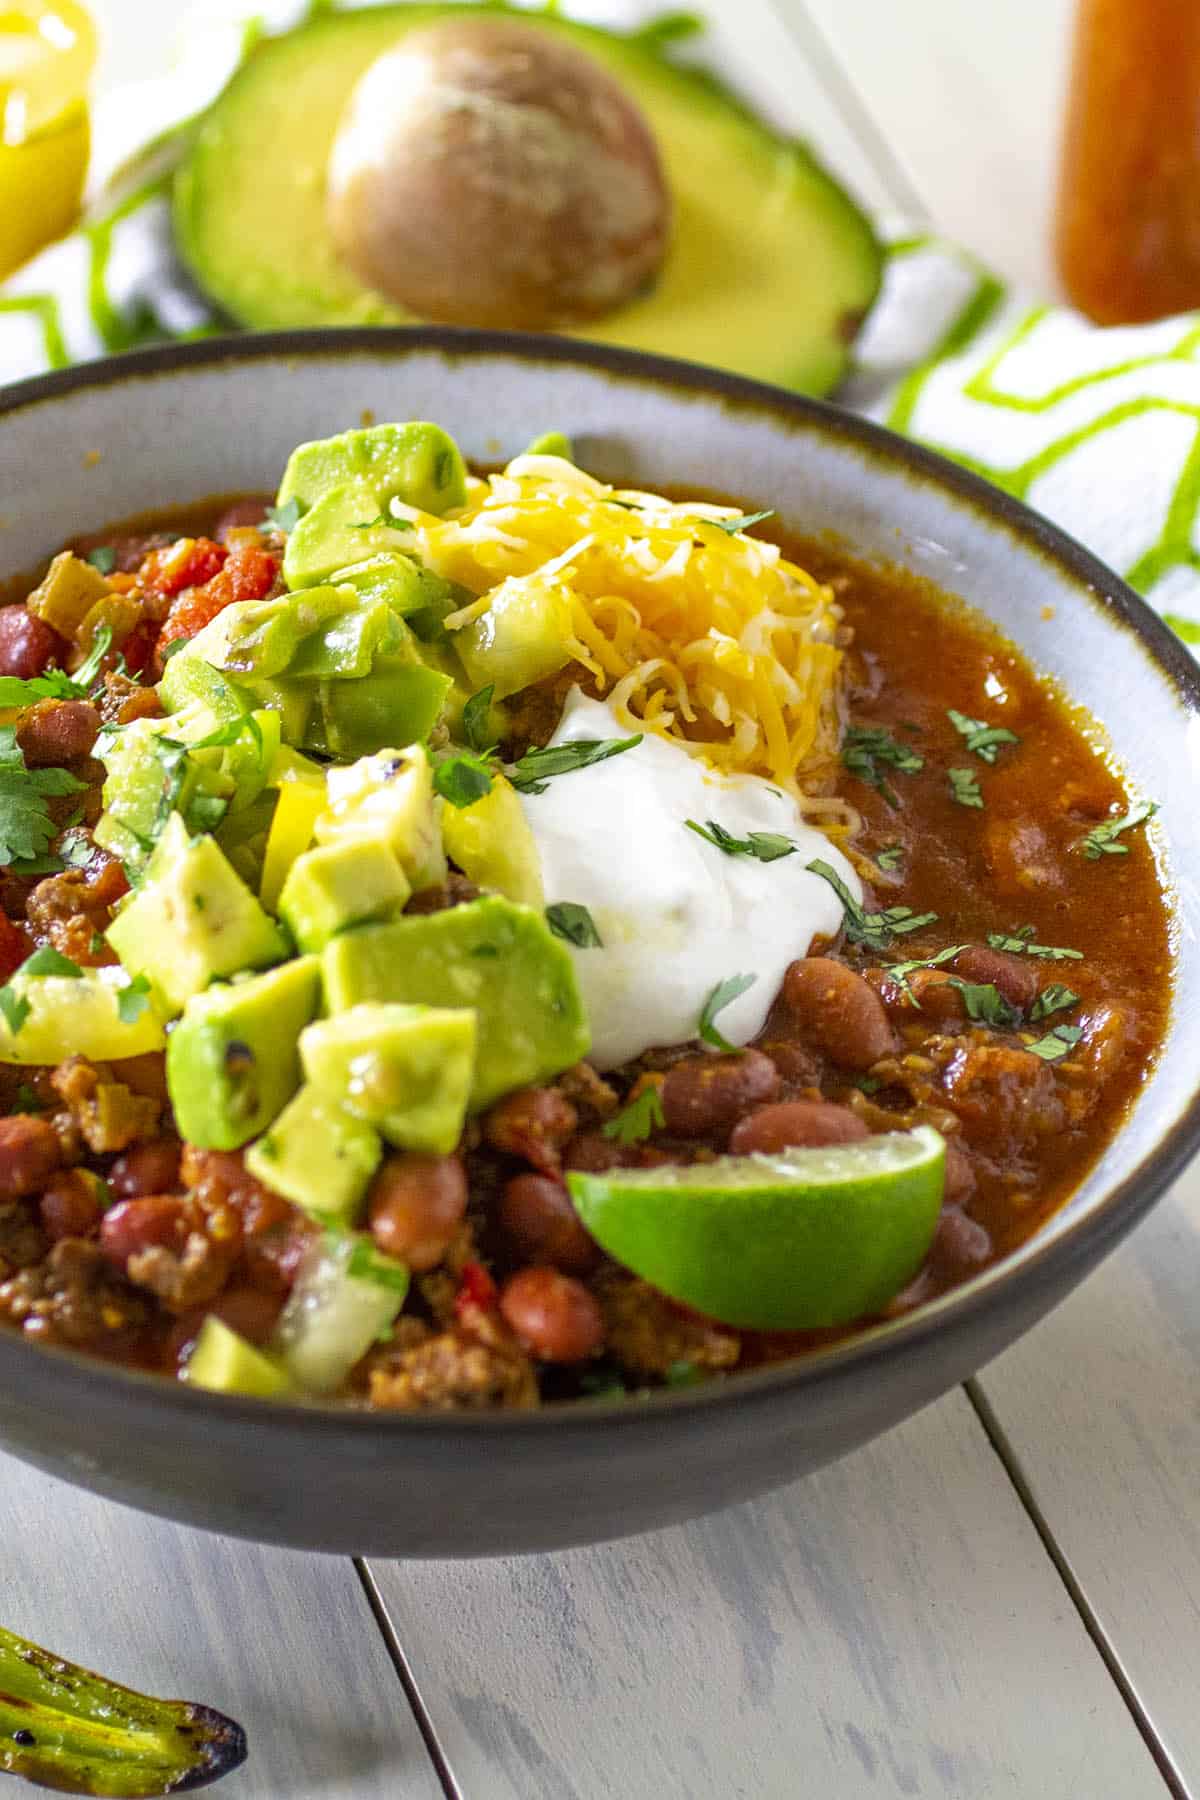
x,y
1098,429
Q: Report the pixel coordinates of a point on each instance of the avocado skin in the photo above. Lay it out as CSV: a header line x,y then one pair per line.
x,y
491,955
233,1061
771,269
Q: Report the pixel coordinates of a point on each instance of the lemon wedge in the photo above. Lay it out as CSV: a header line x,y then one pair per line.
x,y
47,51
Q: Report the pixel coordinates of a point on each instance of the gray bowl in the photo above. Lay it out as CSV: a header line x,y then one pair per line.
x,y
87,446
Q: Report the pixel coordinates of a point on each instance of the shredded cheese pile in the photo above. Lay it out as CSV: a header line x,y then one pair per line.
x,y
711,639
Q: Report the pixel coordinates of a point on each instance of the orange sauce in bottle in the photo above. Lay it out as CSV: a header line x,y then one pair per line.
x,y
1127,232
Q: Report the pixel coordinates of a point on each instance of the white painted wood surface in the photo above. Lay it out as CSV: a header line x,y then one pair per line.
x,y
889,1627
284,1643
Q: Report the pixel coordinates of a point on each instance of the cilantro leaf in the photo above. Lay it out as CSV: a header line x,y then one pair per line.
x,y
49,961
723,995
285,517
567,919
463,778
983,740
1052,999
383,518
369,1264
1019,943
867,749
103,558
964,786
230,732
88,670
986,1005
531,773
1102,840
634,1123
133,999
890,857
743,521
15,1008
26,827
1057,1043
475,717
901,971
872,929
766,846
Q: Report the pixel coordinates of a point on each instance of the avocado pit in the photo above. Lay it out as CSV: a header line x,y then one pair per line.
x,y
486,173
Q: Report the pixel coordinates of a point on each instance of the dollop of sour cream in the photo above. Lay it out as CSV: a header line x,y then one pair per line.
x,y
675,915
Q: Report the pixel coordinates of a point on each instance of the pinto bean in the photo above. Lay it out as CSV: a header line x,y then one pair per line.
x,y
707,1095
937,998
148,1169
70,1205
415,1206
1012,976
796,1123
555,1317
26,644
837,1012
29,1155
53,732
537,1214
960,1241
156,1221
534,1123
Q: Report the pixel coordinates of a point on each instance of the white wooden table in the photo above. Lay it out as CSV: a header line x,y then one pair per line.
x,y
1002,1598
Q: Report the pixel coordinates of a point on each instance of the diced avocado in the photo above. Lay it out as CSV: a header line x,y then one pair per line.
x,y
225,1362
346,1293
399,702
254,638
318,1156
405,1069
493,845
552,443
77,1016
338,885
415,462
771,264
66,593
521,638
300,805
388,796
345,525
500,959
232,1060
404,584
188,679
192,919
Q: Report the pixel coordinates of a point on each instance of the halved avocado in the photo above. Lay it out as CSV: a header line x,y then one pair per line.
x,y
771,266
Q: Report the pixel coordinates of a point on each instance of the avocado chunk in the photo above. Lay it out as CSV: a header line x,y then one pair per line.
x,y
192,920
399,702
319,1156
345,525
495,957
493,845
389,797
76,1015
415,462
405,1069
771,264
400,581
521,638
224,1361
339,885
232,1060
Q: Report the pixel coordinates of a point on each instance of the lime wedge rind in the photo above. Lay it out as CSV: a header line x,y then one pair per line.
x,y
797,1241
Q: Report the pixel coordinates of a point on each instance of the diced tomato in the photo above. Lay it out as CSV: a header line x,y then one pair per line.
x,y
187,563
476,1290
249,573
14,947
138,647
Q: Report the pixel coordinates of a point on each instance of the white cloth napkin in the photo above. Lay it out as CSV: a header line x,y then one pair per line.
x,y
1098,429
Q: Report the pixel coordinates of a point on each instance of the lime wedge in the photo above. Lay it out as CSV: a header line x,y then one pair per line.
x,y
790,1242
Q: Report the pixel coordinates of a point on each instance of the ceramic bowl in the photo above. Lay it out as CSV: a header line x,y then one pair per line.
x,y
84,447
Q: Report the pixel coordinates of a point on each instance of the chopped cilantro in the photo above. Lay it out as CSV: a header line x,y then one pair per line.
x,y
368,1264
634,1123
475,717
537,767
723,995
964,786
901,971
173,648
986,1005
285,517
133,999
1057,1043
1102,840
383,518
567,919
866,1084
463,778
103,557
743,522
868,749
890,857
14,1007
230,732
682,1373
1019,943
766,846
1052,999
49,961
26,828
872,929
26,1101
984,741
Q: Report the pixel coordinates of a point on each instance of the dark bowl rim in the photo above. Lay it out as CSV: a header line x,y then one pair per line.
x,y
1048,1262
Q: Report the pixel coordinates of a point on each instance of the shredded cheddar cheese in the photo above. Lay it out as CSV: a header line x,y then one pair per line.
x,y
712,639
